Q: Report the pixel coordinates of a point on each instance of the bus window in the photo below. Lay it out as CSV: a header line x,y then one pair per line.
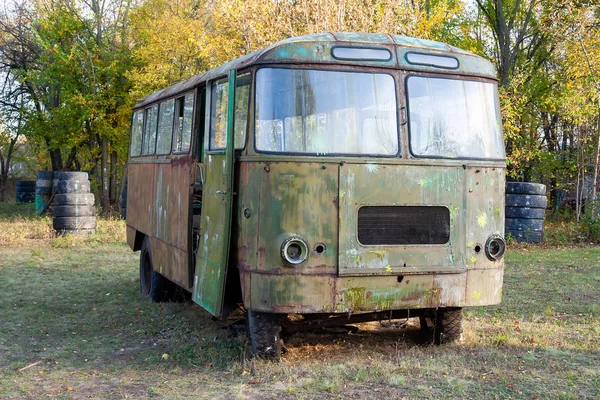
x,y
454,118
184,108
242,95
200,125
165,127
137,126
218,114
149,139
326,112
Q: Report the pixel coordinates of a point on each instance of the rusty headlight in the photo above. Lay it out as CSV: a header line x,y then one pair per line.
x,y
495,247
294,250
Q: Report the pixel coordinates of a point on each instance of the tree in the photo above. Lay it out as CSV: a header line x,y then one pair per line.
x,y
72,59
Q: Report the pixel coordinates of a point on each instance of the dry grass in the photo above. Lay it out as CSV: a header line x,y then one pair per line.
x,y
19,226
73,307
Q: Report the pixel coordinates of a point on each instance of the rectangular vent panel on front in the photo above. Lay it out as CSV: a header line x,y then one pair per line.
x,y
403,225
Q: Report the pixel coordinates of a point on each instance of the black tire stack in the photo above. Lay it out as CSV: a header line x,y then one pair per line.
x,y
73,203
525,209
25,191
43,190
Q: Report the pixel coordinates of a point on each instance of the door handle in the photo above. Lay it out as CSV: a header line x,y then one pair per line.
x,y
221,191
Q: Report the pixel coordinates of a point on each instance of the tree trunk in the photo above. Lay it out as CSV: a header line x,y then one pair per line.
x,y
104,176
113,177
72,159
3,179
596,155
56,159
122,186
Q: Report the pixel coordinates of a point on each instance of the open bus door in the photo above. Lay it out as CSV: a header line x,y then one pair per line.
x,y
215,226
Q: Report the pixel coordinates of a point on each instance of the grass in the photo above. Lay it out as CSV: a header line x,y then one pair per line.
x,y
73,318
19,226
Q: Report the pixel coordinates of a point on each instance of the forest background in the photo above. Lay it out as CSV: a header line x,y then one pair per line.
x,y
70,71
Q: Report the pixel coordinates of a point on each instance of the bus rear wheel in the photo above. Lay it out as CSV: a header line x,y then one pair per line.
x,y
443,326
265,332
152,284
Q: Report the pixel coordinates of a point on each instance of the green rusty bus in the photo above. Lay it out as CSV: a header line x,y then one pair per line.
x,y
326,179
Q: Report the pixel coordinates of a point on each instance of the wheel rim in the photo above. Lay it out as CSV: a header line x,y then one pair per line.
x,y
146,273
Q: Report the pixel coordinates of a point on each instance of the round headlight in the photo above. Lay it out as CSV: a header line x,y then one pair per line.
x,y
294,250
495,247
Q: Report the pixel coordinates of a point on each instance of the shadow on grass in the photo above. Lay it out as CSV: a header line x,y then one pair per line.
x,y
81,317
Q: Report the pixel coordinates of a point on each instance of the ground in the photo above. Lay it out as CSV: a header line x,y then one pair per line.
x,y
73,325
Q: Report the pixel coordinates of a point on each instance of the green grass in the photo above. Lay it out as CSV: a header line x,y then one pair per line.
x,y
74,307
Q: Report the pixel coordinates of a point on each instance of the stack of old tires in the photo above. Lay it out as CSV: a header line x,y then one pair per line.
x,y
43,190
73,204
25,191
525,209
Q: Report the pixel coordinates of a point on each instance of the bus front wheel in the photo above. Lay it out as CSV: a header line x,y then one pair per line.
x,y
152,284
265,334
445,325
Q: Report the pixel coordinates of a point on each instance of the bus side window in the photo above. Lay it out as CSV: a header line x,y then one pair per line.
x,y
149,138
184,112
137,126
200,124
165,127
242,96
218,114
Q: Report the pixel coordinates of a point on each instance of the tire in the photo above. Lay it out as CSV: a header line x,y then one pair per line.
x,y
25,184
44,183
526,236
76,199
43,191
73,186
524,212
518,224
25,197
152,284
44,176
525,188
73,211
444,326
265,334
73,223
71,175
526,200
63,232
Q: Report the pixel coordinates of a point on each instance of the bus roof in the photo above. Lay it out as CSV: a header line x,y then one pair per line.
x,y
317,49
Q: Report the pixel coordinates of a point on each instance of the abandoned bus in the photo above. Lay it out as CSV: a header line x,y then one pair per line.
x,y
325,179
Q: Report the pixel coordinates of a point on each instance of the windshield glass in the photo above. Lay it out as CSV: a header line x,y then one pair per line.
x,y
453,118
325,112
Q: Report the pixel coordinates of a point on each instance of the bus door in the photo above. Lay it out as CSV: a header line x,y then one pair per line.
x,y
217,196
172,179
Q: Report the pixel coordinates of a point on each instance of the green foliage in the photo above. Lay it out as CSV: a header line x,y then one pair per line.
x,y
591,227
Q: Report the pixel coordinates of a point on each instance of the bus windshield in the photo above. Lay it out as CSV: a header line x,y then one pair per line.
x,y
452,118
326,112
